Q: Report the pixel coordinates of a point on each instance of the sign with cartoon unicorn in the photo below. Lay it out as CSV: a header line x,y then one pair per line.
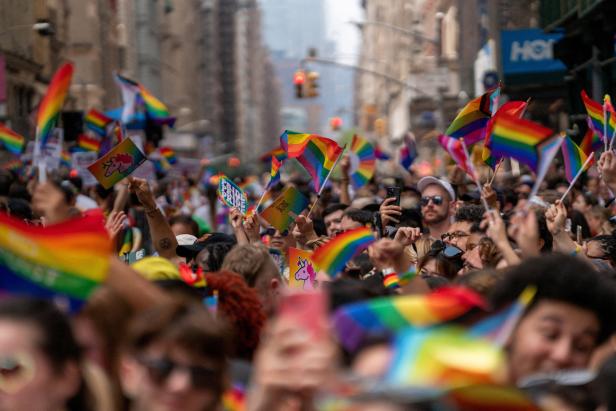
x,y
302,271
117,164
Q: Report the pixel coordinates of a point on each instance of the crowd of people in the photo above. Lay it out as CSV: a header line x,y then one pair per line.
x,y
197,314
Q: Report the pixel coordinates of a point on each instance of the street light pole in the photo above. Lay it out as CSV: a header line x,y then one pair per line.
x,y
42,27
399,29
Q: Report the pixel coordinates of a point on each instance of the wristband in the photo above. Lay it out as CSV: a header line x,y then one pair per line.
x,y
577,250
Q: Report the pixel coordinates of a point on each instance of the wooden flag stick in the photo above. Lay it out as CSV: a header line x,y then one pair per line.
x,y
475,176
496,171
325,181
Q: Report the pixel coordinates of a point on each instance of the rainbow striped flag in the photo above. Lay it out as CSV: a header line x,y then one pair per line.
x,y
456,150
155,108
355,322
363,162
169,154
574,157
12,141
278,152
611,116
113,137
471,122
97,122
408,152
317,154
489,397
13,165
591,141
50,106
391,281
65,159
274,172
117,164
595,114
88,143
161,165
69,259
234,399
332,256
513,108
518,138
444,356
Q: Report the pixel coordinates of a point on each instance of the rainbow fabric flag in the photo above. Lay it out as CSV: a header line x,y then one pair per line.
x,y
513,108
65,159
117,164
274,172
574,157
332,256
444,356
278,152
471,122
408,152
97,122
379,154
12,141
391,281
517,138
283,210
611,116
317,154
13,165
88,143
169,155
363,162
591,141
155,108
456,150
355,322
66,260
50,106
489,397
161,165
595,114
234,399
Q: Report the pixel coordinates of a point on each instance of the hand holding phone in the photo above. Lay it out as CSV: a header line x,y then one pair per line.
x,y
393,192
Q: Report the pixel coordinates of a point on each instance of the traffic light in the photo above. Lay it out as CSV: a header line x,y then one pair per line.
x,y
335,123
312,85
298,80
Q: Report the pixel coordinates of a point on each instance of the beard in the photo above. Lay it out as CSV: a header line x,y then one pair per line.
x,y
436,217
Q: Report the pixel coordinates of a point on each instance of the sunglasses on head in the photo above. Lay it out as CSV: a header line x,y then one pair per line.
x,y
436,200
159,370
448,250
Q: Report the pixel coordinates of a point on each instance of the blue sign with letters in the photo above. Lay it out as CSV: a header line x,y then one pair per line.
x,y
529,51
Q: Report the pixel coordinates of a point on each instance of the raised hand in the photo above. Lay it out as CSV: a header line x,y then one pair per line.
x,y
389,212
141,188
115,223
407,235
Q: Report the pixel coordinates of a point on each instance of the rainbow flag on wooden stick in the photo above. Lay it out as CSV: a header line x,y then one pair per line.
x,y
69,259
470,123
574,157
97,122
50,106
595,114
591,141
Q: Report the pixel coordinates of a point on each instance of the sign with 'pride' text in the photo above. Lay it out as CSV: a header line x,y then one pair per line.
x,y
231,195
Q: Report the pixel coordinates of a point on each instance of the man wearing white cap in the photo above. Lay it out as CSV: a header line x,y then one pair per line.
x,y
437,205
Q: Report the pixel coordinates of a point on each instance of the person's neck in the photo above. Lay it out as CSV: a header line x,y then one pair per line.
x,y
438,229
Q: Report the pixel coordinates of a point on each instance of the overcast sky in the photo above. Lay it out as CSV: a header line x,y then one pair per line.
x,y
338,14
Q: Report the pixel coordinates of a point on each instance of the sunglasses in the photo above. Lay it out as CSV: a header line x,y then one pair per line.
x,y
436,200
271,231
15,372
448,250
159,370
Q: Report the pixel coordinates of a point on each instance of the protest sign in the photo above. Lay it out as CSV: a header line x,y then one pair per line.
x,y
302,271
117,164
285,208
231,195
80,162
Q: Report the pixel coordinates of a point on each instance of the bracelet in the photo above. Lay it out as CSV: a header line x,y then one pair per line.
x,y
577,250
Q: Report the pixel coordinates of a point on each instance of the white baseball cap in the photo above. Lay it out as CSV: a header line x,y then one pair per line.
x,y
429,180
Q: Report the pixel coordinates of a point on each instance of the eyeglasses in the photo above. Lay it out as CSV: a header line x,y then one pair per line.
x,y
448,250
436,200
159,370
15,371
454,235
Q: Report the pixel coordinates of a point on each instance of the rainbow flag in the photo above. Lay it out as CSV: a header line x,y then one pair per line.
x,y
283,210
391,281
355,322
408,152
117,164
471,122
69,259
574,158
169,155
591,142
458,154
274,172
595,114
13,165
278,152
332,256
52,103
97,122
12,141
513,108
113,137
88,143
444,356
517,138
161,165
363,162
65,159
127,241
611,116
234,399
379,154
155,108
488,397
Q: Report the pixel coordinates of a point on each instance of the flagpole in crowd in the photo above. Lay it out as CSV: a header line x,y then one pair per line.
x,y
475,176
579,173
496,171
325,181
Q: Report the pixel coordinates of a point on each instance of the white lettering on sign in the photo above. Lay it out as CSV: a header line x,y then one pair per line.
x,y
232,196
534,50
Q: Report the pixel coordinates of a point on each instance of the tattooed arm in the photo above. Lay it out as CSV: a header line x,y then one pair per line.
x,y
163,239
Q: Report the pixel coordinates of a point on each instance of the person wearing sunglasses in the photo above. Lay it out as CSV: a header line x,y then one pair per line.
x,y
175,358
443,260
437,200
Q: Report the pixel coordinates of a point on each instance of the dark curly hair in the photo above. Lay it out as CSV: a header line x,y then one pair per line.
x,y
608,245
562,278
470,213
240,306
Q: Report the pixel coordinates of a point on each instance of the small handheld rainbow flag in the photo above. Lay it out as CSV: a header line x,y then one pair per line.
x,y
591,141
332,256
363,162
69,259
169,154
234,399
65,159
97,122
317,154
391,281
280,214
471,122
595,114
12,141
574,157
155,108
274,172
517,138
161,165
113,137
52,103
408,152
388,315
456,150
278,152
513,108
88,143
117,164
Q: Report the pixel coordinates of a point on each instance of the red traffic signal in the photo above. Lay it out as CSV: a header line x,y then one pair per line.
x,y
299,78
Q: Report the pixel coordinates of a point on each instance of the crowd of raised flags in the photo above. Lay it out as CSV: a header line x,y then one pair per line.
x,y
198,264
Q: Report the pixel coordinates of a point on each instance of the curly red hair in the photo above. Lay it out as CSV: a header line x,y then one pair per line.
x,y
240,305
